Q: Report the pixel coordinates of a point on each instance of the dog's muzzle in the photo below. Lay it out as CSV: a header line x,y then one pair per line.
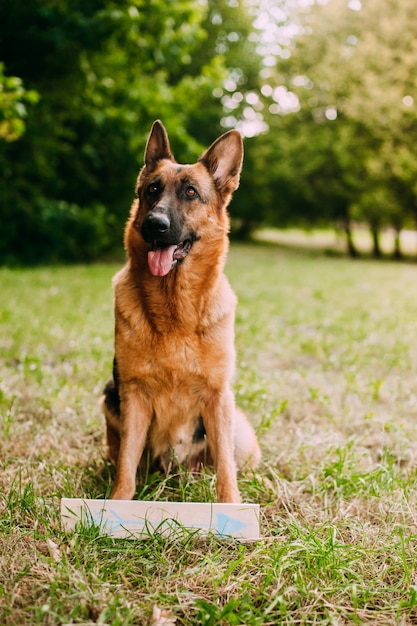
x,y
168,243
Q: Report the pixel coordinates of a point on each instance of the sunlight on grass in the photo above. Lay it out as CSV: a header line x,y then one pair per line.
x,y
327,372
334,241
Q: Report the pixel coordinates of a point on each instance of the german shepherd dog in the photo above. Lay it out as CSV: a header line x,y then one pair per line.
x,y
171,397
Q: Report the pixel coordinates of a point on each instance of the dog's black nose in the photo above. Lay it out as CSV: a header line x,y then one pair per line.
x,y
155,226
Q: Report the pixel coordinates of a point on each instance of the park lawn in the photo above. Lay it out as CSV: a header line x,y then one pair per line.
x,y
334,240
327,372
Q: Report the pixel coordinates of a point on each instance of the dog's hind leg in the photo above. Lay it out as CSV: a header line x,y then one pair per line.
x,y
110,405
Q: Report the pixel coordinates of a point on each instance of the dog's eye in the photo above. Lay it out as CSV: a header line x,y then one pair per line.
x,y
153,188
190,192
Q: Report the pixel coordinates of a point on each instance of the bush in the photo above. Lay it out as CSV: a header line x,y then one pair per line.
x,y
57,231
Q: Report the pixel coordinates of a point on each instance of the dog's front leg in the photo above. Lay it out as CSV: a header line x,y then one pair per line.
x,y
135,417
218,415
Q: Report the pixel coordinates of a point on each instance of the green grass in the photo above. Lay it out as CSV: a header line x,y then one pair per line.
x,y
327,372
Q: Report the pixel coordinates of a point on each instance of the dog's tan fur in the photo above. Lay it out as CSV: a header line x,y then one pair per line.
x,y
174,333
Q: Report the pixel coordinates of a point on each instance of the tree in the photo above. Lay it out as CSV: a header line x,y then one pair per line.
x,y
103,74
350,69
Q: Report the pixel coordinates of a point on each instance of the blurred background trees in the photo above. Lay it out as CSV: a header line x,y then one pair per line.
x,y
324,93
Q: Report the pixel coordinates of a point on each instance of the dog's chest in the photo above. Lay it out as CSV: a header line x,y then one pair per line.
x,y
180,346
178,361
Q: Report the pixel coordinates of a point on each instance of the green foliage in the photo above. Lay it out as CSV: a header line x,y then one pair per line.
x,y
13,100
103,73
322,91
347,149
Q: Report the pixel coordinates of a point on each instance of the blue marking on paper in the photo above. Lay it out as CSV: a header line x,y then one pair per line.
x,y
113,525
228,525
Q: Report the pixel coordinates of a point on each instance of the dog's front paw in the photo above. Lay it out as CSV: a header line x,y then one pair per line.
x,y
228,493
123,491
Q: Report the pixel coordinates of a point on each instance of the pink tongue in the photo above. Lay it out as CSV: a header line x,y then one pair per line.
x,y
160,260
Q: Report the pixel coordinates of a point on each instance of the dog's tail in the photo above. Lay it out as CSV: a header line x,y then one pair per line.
x,y
247,451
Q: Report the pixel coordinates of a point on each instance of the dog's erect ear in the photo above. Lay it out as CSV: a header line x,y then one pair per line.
x,y
157,146
224,159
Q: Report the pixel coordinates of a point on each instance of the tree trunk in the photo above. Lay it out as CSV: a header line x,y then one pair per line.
x,y
242,229
376,250
415,216
353,253
397,254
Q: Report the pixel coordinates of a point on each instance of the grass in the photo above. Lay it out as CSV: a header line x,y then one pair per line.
x,y
327,371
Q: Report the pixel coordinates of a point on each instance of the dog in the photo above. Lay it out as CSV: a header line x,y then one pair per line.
x,y
171,395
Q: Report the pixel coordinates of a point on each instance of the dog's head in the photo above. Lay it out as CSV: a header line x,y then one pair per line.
x,y
179,205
